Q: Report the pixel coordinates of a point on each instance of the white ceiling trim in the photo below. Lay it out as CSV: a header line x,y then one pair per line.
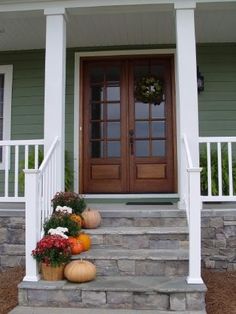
x,y
31,5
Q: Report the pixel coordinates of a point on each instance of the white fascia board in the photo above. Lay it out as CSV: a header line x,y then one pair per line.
x,y
31,5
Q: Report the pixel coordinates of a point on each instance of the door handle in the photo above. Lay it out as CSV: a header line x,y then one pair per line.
x,y
131,141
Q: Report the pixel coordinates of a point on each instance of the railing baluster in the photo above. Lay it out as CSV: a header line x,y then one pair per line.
x,y
26,157
219,165
209,168
16,170
36,156
230,169
6,190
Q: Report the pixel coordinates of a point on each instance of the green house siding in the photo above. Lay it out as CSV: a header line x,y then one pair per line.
x,y
217,104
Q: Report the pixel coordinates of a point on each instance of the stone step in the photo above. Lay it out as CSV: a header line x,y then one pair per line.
x,y
54,310
140,237
141,262
137,293
115,215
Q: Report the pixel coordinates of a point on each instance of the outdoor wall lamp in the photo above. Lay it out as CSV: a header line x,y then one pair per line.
x,y
200,81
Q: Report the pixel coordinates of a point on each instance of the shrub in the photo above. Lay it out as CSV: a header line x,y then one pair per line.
x,y
214,172
60,219
53,250
69,199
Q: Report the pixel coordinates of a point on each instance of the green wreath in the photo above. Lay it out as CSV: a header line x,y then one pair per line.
x,y
149,89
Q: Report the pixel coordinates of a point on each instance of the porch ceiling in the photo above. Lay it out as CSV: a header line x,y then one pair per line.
x,y
115,27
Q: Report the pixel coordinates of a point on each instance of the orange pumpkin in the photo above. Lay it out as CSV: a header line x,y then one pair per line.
x,y
91,218
85,239
77,248
77,219
80,271
72,240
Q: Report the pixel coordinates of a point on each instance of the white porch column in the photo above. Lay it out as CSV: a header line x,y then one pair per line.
x,y
54,98
187,116
187,102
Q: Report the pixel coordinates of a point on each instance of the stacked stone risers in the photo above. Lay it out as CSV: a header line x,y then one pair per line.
x,y
142,293
142,264
110,262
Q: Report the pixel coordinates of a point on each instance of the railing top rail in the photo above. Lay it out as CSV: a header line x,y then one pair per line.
x,y
48,156
189,159
22,142
217,139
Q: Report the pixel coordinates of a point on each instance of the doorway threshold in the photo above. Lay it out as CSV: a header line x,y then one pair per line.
x,y
133,199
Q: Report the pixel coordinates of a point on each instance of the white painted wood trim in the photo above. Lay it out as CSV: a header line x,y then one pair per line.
x,y
77,105
7,70
130,196
30,5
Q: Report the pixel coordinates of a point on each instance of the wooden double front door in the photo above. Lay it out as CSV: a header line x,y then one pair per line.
x,y
128,145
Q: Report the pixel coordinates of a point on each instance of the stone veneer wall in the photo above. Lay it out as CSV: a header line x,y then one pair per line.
x,y
218,239
12,239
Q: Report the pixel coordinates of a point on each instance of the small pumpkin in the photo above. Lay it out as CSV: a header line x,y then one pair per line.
x,y
80,271
72,240
77,219
91,218
85,239
77,248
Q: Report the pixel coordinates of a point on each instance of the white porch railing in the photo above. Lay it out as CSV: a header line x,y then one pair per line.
x,y
193,208
218,160
16,155
40,187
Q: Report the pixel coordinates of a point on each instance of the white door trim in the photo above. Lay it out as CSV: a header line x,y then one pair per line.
x,y
77,127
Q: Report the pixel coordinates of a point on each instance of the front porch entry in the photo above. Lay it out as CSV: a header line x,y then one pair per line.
x,y
128,145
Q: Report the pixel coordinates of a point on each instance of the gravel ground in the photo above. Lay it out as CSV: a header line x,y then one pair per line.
x,y
220,298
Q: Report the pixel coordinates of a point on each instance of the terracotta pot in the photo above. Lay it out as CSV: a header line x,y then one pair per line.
x,y
52,273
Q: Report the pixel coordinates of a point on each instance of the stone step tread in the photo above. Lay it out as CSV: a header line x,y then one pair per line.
x,y
140,254
137,230
145,284
54,310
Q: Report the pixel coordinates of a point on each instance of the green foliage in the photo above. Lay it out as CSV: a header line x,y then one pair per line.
x,y
31,158
69,199
214,172
59,219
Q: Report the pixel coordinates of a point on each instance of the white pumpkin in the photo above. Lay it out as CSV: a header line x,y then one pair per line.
x,y
80,271
92,218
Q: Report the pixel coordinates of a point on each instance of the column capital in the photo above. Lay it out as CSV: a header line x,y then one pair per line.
x,y
55,11
184,5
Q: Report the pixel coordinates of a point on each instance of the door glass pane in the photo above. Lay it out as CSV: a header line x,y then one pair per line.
x,y
97,130
113,149
96,75
113,74
97,149
97,93
113,111
113,129
142,148
158,148
141,129
141,110
113,93
158,129
158,111
97,112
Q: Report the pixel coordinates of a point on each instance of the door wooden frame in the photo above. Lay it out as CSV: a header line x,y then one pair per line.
x,y
78,107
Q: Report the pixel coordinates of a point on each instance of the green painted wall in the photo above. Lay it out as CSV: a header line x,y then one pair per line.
x,y
217,104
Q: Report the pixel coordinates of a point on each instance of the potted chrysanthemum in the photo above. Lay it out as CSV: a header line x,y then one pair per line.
x,y
53,252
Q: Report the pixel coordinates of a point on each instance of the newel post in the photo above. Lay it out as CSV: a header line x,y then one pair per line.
x,y
194,276
32,223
